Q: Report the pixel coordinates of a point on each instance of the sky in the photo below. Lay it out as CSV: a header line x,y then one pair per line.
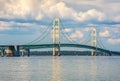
x,y
22,21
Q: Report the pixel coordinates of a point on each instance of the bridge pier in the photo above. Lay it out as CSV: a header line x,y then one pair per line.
x,y
16,51
12,51
109,53
9,51
28,52
94,53
25,51
58,50
2,52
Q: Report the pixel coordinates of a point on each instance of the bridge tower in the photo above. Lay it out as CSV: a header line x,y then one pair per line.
x,y
93,41
56,36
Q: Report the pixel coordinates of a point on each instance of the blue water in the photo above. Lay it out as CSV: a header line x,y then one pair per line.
x,y
64,68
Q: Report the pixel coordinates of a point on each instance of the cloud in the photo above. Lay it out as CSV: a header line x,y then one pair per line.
x,y
62,10
110,8
5,26
19,28
114,41
57,9
15,8
91,25
87,29
91,14
77,34
67,30
109,31
83,10
38,10
117,18
105,33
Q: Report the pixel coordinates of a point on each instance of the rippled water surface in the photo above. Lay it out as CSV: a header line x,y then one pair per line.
x,y
63,68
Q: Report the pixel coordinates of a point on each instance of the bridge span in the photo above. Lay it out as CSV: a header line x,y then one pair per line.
x,y
68,45
23,48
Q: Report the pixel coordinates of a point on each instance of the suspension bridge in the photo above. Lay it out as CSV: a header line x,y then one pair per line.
x,y
56,42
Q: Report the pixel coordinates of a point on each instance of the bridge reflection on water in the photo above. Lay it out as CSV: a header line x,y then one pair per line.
x,y
56,69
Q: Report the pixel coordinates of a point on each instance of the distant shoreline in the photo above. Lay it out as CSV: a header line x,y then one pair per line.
x,y
66,53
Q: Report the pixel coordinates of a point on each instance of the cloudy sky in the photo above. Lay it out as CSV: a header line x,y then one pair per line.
x,y
22,21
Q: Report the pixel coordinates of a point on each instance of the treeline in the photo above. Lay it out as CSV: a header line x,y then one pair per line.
x,y
79,53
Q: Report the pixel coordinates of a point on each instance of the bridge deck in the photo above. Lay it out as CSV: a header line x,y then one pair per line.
x,y
39,46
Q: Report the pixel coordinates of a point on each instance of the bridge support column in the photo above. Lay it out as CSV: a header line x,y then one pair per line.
x,y
16,51
2,52
23,52
94,41
9,51
12,51
56,36
28,52
110,54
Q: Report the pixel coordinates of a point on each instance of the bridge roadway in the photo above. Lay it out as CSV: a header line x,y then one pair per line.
x,y
38,46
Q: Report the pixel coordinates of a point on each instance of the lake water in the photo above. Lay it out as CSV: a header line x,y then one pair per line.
x,y
63,68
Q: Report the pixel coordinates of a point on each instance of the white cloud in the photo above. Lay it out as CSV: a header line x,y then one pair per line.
x,y
60,9
91,14
45,9
109,7
91,25
117,18
67,30
4,26
87,29
20,26
105,33
16,8
57,9
77,34
114,41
